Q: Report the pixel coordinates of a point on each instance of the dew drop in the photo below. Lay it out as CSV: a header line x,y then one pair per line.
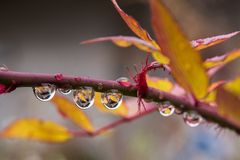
x,y
64,91
124,81
161,96
45,92
178,111
100,86
84,97
192,118
111,99
3,67
166,109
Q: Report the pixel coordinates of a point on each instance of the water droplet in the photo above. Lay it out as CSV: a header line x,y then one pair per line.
x,y
192,118
166,109
100,86
84,97
3,67
161,96
111,99
64,90
45,92
124,81
179,110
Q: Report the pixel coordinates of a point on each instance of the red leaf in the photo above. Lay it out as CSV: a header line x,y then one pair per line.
x,y
208,42
133,24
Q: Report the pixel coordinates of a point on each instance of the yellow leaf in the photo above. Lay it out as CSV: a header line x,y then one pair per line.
x,y
125,41
222,60
122,43
36,129
160,58
228,105
233,86
140,32
71,111
211,97
208,42
160,84
185,62
122,110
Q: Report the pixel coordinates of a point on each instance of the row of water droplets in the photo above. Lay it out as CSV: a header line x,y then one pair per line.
x,y
83,96
112,99
191,118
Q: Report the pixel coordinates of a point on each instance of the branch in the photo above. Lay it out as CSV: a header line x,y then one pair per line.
x,y
20,79
112,125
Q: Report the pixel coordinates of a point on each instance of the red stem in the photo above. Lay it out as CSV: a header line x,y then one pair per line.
x,y
113,124
20,79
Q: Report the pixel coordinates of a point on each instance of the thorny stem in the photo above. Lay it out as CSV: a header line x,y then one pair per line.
x,y
21,79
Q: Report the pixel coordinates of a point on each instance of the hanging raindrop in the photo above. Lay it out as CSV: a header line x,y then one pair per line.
x,y
192,118
45,92
124,81
84,97
3,67
166,109
64,91
111,99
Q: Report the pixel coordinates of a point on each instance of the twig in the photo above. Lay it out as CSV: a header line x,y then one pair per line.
x,y
21,79
113,124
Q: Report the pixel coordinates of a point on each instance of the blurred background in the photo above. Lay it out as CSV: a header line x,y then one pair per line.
x,y
44,36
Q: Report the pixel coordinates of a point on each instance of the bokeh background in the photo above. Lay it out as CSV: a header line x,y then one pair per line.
x,y
44,36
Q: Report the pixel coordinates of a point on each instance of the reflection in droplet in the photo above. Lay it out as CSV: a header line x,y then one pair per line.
x,y
64,91
3,67
84,97
166,109
45,92
192,118
111,99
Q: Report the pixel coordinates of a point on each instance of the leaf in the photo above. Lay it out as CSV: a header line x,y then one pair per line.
x,y
160,58
215,85
36,129
185,63
228,99
208,42
160,84
233,86
222,60
122,110
71,111
211,96
228,105
133,24
125,41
